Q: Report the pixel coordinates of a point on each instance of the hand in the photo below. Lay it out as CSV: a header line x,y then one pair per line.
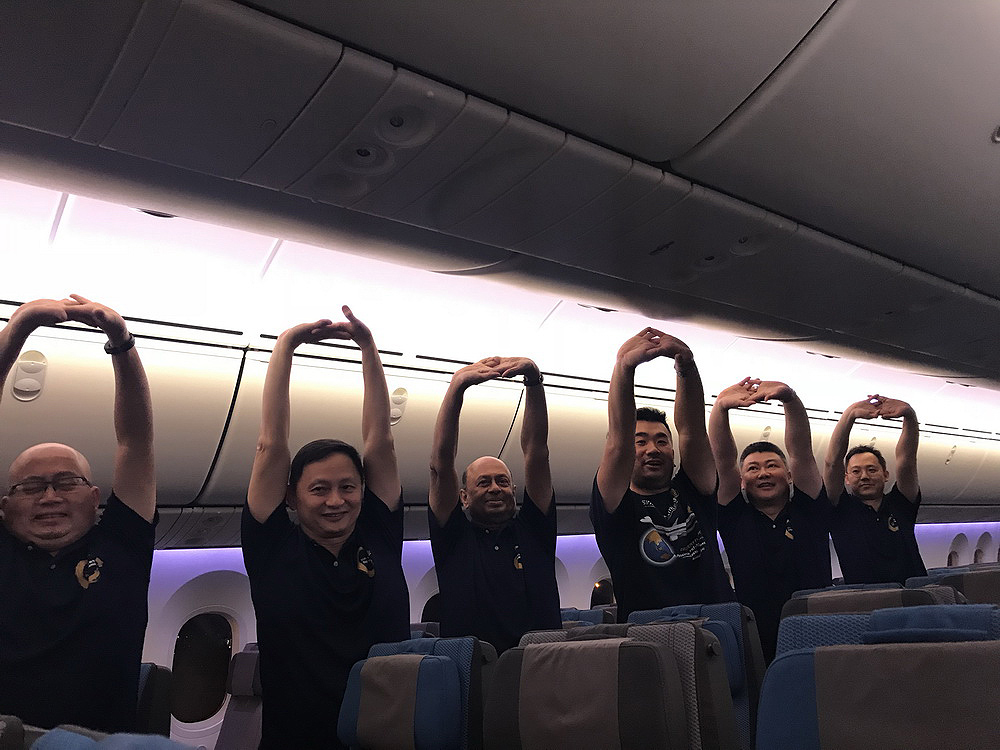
x,y
867,409
742,394
357,330
890,408
649,344
510,367
90,313
768,389
41,312
478,372
312,333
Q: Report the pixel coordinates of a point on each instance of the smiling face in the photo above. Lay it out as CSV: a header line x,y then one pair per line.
x,y
50,519
654,457
765,477
327,498
488,494
864,476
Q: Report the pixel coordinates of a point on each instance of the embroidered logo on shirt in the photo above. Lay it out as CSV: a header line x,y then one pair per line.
x,y
789,531
661,545
518,565
365,562
892,523
89,571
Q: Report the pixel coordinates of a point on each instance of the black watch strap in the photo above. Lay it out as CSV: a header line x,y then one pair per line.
x,y
121,348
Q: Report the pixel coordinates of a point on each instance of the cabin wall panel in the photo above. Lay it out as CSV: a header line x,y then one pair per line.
x,y
76,407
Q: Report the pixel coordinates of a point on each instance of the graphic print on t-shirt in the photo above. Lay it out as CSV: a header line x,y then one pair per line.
x,y
671,535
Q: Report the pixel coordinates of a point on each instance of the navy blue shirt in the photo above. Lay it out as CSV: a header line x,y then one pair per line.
x,y
662,549
318,614
877,546
72,624
497,584
772,559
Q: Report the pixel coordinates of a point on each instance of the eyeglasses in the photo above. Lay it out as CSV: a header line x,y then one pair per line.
x,y
36,487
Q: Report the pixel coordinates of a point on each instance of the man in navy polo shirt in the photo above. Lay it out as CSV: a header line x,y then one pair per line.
x,y
657,530
776,533
873,530
495,564
73,591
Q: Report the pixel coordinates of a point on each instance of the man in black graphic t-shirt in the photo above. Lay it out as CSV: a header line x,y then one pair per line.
x,y
873,530
657,531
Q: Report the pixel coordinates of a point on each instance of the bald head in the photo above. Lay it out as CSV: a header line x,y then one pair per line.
x,y
47,452
488,492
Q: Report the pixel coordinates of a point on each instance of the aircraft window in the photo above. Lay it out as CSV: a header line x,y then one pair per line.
x,y
952,559
603,593
202,653
978,556
432,610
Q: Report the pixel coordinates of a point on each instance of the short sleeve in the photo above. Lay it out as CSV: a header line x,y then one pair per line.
x,y
730,513
136,535
445,539
375,517
261,540
542,525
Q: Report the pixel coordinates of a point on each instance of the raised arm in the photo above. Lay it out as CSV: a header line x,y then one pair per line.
x,y
444,485
906,446
23,322
798,437
534,430
379,452
720,435
269,477
833,470
689,418
134,473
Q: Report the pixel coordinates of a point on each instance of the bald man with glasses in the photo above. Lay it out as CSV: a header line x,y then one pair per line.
x,y
73,590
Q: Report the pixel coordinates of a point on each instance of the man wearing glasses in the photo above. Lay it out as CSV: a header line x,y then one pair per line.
x,y
72,590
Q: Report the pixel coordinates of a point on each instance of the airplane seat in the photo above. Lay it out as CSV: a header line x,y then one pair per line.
x,y
736,629
927,697
595,616
842,601
11,733
848,587
402,701
241,726
474,659
932,622
980,586
708,703
425,630
153,709
589,693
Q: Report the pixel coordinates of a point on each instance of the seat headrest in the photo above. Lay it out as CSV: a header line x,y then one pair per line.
x,y
244,674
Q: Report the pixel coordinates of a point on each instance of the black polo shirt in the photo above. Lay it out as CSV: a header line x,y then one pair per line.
x,y
72,624
318,614
497,584
877,546
772,559
662,549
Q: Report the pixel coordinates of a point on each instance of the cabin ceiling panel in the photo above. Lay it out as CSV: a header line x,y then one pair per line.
x,y
650,79
878,130
411,113
56,56
224,82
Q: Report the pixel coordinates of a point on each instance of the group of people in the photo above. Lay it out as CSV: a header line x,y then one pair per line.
x,y
327,587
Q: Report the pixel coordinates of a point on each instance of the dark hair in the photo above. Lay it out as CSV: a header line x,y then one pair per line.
x,y
866,449
317,450
763,446
649,414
